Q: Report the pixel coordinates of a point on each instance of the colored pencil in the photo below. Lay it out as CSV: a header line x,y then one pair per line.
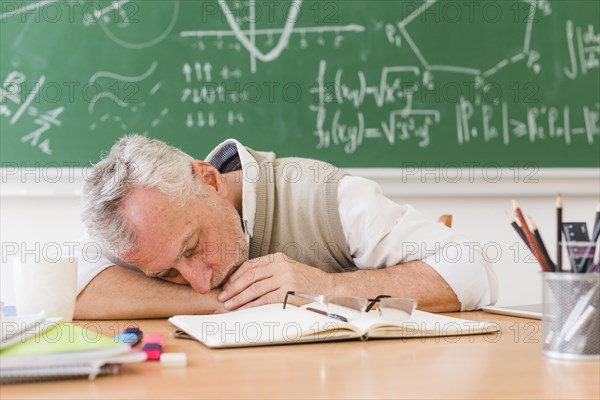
x,y
532,243
540,243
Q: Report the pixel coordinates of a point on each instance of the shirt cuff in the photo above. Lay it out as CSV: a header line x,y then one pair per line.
x,y
469,275
91,260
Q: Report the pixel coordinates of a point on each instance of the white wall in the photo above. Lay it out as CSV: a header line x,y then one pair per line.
x,y
43,209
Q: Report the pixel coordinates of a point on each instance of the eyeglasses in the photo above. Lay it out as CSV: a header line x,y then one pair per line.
x,y
345,308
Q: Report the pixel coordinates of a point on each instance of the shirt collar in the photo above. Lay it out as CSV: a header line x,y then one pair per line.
x,y
229,156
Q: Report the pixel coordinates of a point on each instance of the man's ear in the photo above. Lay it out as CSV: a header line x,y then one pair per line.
x,y
207,175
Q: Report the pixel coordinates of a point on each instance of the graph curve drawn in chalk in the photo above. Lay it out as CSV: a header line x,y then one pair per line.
x,y
143,45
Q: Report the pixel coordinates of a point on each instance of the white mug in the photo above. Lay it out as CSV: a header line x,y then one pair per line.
x,y
46,284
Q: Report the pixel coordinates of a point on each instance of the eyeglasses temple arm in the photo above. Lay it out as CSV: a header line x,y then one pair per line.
x,y
313,297
330,315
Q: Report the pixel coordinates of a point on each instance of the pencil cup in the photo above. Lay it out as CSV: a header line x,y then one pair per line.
x,y
46,284
571,318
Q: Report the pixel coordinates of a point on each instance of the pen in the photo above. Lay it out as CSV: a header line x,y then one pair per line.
x,y
559,207
596,227
582,320
573,321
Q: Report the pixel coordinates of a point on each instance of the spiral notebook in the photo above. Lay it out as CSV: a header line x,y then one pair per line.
x,y
64,372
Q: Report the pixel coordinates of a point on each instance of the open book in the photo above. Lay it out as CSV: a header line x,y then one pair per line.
x,y
271,324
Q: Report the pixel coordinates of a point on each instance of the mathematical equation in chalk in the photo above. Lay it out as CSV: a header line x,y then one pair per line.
x,y
497,122
205,85
584,50
348,116
353,130
23,108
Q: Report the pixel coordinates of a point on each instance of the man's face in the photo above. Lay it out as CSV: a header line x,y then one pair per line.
x,y
200,244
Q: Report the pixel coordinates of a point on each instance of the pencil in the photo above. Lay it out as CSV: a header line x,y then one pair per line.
x,y
517,228
540,243
559,207
596,227
532,244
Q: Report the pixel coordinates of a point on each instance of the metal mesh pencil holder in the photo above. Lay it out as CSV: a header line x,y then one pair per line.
x,y
571,315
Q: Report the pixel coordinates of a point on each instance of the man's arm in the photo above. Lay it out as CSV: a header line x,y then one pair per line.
x,y
118,293
267,279
415,280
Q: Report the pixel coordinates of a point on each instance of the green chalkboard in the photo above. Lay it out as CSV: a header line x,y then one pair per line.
x,y
357,83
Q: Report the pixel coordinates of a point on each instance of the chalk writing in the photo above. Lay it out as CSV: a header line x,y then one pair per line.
x,y
539,123
16,104
400,124
584,50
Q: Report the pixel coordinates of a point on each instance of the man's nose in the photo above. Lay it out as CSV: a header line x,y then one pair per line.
x,y
198,274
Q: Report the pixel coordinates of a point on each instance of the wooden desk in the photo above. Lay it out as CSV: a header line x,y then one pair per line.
x,y
506,365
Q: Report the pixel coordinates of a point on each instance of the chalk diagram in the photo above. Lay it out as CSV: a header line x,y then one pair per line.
x,y
526,52
26,9
115,22
116,88
335,126
247,37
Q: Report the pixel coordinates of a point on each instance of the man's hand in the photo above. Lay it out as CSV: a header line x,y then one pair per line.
x,y
267,279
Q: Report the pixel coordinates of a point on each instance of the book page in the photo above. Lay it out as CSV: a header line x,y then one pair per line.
x,y
263,325
422,324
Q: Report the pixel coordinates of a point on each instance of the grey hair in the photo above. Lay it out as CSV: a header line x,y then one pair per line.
x,y
134,161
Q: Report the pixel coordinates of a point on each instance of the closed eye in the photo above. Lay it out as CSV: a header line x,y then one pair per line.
x,y
174,276
189,253
166,274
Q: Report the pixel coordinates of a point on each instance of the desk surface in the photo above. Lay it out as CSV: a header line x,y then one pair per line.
x,y
503,365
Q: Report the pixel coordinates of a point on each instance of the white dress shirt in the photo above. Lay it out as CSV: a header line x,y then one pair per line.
x,y
379,232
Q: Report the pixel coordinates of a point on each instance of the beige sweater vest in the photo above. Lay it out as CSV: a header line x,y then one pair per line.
x,y
297,212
